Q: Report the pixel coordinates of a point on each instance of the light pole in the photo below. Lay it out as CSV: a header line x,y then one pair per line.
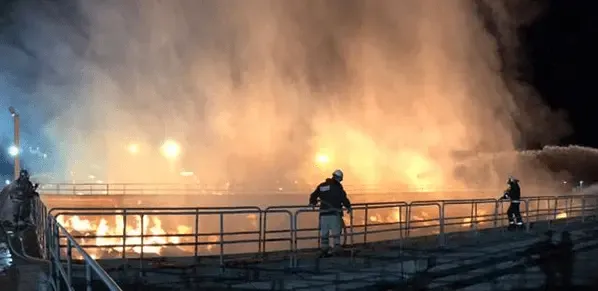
x,y
17,142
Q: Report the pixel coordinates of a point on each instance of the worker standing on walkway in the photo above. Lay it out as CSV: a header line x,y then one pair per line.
x,y
513,193
332,198
22,198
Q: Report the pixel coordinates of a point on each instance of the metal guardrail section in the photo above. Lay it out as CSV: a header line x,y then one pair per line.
x,y
363,226
181,189
64,278
226,231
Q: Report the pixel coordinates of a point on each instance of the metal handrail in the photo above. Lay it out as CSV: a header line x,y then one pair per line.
x,y
411,223
57,270
113,189
534,209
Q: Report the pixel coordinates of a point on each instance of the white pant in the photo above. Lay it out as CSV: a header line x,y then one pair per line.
x,y
330,225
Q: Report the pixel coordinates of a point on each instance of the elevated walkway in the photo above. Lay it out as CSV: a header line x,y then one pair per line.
x,y
488,261
464,246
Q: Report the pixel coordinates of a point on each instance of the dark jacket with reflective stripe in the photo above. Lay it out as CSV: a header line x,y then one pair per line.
x,y
332,197
513,192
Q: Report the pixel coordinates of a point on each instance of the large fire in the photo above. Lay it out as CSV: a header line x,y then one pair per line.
x,y
105,234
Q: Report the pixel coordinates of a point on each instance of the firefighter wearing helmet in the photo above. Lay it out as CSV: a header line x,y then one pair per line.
x,y
513,193
22,198
332,197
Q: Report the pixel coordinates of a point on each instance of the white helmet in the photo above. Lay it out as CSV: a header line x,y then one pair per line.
x,y
338,175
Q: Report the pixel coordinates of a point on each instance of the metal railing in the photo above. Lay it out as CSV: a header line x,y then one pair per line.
x,y
64,277
219,232
186,189
213,231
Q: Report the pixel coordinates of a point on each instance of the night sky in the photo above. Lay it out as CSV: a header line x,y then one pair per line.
x,y
560,48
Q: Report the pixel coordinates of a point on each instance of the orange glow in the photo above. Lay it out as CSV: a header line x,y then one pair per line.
x,y
152,228
397,104
322,159
170,149
133,148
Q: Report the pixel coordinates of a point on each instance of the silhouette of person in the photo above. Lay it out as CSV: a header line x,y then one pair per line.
x,y
564,259
542,255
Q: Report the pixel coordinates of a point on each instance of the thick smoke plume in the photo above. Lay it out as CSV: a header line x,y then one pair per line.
x,y
392,92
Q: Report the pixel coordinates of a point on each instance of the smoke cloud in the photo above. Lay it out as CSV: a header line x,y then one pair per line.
x,y
392,92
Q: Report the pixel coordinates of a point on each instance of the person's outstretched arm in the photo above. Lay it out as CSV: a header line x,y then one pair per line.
x,y
313,198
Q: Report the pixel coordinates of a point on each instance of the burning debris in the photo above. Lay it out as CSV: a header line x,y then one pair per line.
x,y
156,235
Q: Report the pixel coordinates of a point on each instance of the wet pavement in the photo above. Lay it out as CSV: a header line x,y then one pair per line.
x,y
9,273
5,258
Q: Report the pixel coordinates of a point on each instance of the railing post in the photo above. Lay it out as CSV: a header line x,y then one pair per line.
x,y
142,239
568,203
365,224
408,222
57,255
352,241
441,237
264,227
537,210
88,278
260,233
69,263
401,235
527,222
293,245
196,246
583,208
124,244
49,250
556,208
474,217
221,242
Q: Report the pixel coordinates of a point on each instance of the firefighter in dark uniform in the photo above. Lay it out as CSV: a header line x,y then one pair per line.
x,y
332,198
22,198
513,193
